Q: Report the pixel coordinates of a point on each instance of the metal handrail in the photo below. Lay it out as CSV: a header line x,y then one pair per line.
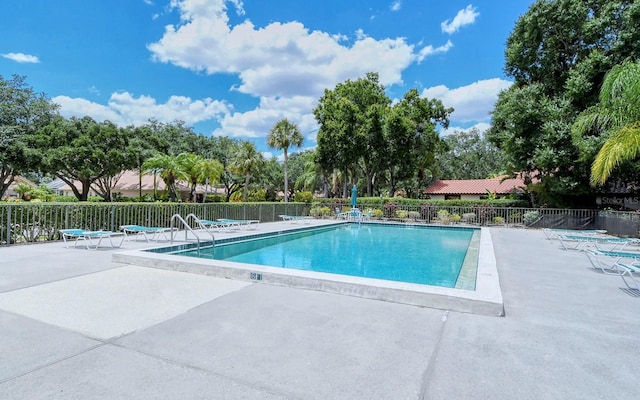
x,y
202,226
187,229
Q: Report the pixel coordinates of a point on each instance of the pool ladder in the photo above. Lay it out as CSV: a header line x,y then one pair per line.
x,y
187,228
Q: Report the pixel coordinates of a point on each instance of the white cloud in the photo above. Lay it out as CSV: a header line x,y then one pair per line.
x,y
279,59
464,17
22,58
257,123
396,6
430,50
473,102
124,109
482,127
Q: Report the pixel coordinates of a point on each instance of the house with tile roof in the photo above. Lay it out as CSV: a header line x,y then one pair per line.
x,y
11,190
474,189
128,185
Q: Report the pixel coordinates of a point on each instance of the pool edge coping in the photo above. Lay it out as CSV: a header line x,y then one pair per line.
x,y
485,300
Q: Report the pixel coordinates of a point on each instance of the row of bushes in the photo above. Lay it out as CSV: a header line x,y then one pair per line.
x,y
482,214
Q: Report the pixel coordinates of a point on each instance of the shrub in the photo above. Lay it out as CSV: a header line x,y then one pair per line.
x,y
414,215
377,213
468,217
257,195
444,216
65,199
530,217
390,209
214,198
43,193
428,211
456,218
402,214
320,212
515,218
303,197
484,213
498,220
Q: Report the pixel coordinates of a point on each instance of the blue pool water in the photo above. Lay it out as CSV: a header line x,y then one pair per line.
x,y
423,255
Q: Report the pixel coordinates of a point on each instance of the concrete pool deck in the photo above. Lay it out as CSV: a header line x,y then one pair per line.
x,y
76,325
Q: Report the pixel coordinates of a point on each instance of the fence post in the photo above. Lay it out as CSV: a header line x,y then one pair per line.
x,y
8,225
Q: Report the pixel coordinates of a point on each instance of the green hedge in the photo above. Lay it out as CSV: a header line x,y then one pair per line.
x,y
381,201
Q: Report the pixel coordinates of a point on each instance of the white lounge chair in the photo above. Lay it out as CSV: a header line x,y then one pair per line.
x,y
148,233
606,264
294,219
629,275
627,270
552,234
91,239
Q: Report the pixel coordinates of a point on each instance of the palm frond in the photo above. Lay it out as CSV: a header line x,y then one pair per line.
x,y
622,145
592,120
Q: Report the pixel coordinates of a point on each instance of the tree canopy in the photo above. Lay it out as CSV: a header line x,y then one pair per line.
x,y
469,155
82,150
558,53
22,113
360,132
615,118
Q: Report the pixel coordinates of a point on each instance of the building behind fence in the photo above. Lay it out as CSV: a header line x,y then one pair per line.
x,y
40,222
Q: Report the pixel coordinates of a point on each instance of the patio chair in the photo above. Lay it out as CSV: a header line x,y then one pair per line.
x,y
578,242
250,224
366,216
341,215
629,275
355,214
148,233
608,267
90,239
294,219
626,270
220,226
552,234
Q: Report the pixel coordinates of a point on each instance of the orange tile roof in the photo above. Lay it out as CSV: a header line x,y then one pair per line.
x,y
129,180
476,186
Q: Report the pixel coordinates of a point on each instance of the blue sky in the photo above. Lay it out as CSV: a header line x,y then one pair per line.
x,y
235,67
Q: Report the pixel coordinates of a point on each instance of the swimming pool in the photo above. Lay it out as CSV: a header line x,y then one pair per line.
x,y
422,255
477,289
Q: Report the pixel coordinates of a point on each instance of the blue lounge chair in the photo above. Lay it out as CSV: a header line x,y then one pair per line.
x,y
90,239
220,226
148,233
247,223
579,242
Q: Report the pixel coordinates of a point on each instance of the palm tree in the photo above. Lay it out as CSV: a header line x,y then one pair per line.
x,y
246,160
209,172
616,115
283,135
170,171
190,164
310,174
